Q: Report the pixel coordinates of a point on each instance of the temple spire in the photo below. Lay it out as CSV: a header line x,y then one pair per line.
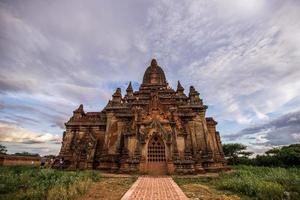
x,y
179,87
117,96
154,75
153,63
129,89
79,109
79,112
194,96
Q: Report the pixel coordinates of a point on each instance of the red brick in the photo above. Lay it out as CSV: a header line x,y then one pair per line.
x,y
154,188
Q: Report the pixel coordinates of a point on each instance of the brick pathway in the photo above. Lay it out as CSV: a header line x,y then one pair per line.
x,y
154,188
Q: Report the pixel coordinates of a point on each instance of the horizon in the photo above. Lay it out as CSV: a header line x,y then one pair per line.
x,y
242,56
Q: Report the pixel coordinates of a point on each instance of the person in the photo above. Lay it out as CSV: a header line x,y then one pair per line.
x,y
51,162
42,163
61,163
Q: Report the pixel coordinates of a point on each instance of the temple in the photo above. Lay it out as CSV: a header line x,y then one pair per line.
x,y
155,130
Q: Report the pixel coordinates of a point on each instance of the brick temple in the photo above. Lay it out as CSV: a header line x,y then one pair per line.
x,y
155,130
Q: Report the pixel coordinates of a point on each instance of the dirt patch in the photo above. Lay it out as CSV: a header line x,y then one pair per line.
x,y
202,192
109,189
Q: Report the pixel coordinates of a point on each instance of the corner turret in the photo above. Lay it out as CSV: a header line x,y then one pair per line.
x,y
194,96
117,96
129,90
79,112
180,89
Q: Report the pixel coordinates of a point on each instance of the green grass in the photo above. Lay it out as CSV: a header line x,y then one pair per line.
x,y
21,182
255,182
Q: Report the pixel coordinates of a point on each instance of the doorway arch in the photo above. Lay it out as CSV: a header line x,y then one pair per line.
x,y
156,156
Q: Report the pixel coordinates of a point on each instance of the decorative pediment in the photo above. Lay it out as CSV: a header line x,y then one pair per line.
x,y
157,125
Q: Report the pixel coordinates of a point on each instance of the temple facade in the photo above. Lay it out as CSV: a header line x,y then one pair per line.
x,y
155,130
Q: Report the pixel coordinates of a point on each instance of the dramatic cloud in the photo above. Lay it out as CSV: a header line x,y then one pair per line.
x,y
245,63
243,56
11,133
281,131
18,139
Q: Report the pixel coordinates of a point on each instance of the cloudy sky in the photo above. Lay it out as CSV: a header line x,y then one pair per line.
x,y
243,56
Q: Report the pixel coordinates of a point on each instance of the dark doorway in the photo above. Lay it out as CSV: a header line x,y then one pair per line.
x,y
156,157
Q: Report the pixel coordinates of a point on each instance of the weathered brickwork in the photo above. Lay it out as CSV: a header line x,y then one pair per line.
x,y
11,160
154,130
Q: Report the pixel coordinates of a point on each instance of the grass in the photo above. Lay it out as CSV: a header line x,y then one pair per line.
x,y
254,182
27,182
21,183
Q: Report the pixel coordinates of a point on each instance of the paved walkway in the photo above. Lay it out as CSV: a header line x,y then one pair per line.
x,y
154,188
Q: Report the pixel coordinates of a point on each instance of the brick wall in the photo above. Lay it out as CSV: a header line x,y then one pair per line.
x,y
9,160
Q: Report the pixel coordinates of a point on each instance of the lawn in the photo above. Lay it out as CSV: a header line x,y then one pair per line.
x,y
27,182
250,183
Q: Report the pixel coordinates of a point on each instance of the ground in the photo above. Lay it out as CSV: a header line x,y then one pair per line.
x,y
197,191
203,192
109,188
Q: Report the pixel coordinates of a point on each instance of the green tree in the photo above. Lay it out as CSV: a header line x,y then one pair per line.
x,y
235,151
3,149
285,156
267,160
290,155
273,152
24,153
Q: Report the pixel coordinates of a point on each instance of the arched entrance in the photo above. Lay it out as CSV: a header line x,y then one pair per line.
x,y
156,156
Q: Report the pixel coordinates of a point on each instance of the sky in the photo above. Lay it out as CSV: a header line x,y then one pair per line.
x,y
243,56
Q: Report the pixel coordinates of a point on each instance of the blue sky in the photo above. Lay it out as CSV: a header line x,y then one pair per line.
x,y
243,56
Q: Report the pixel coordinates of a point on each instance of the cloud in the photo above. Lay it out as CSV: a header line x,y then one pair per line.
x,y
50,54
34,114
14,85
246,66
12,133
283,130
243,57
51,63
40,148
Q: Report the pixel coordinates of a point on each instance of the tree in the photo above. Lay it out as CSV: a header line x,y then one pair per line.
x,y
267,160
234,151
272,152
3,149
245,153
290,155
24,153
285,156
